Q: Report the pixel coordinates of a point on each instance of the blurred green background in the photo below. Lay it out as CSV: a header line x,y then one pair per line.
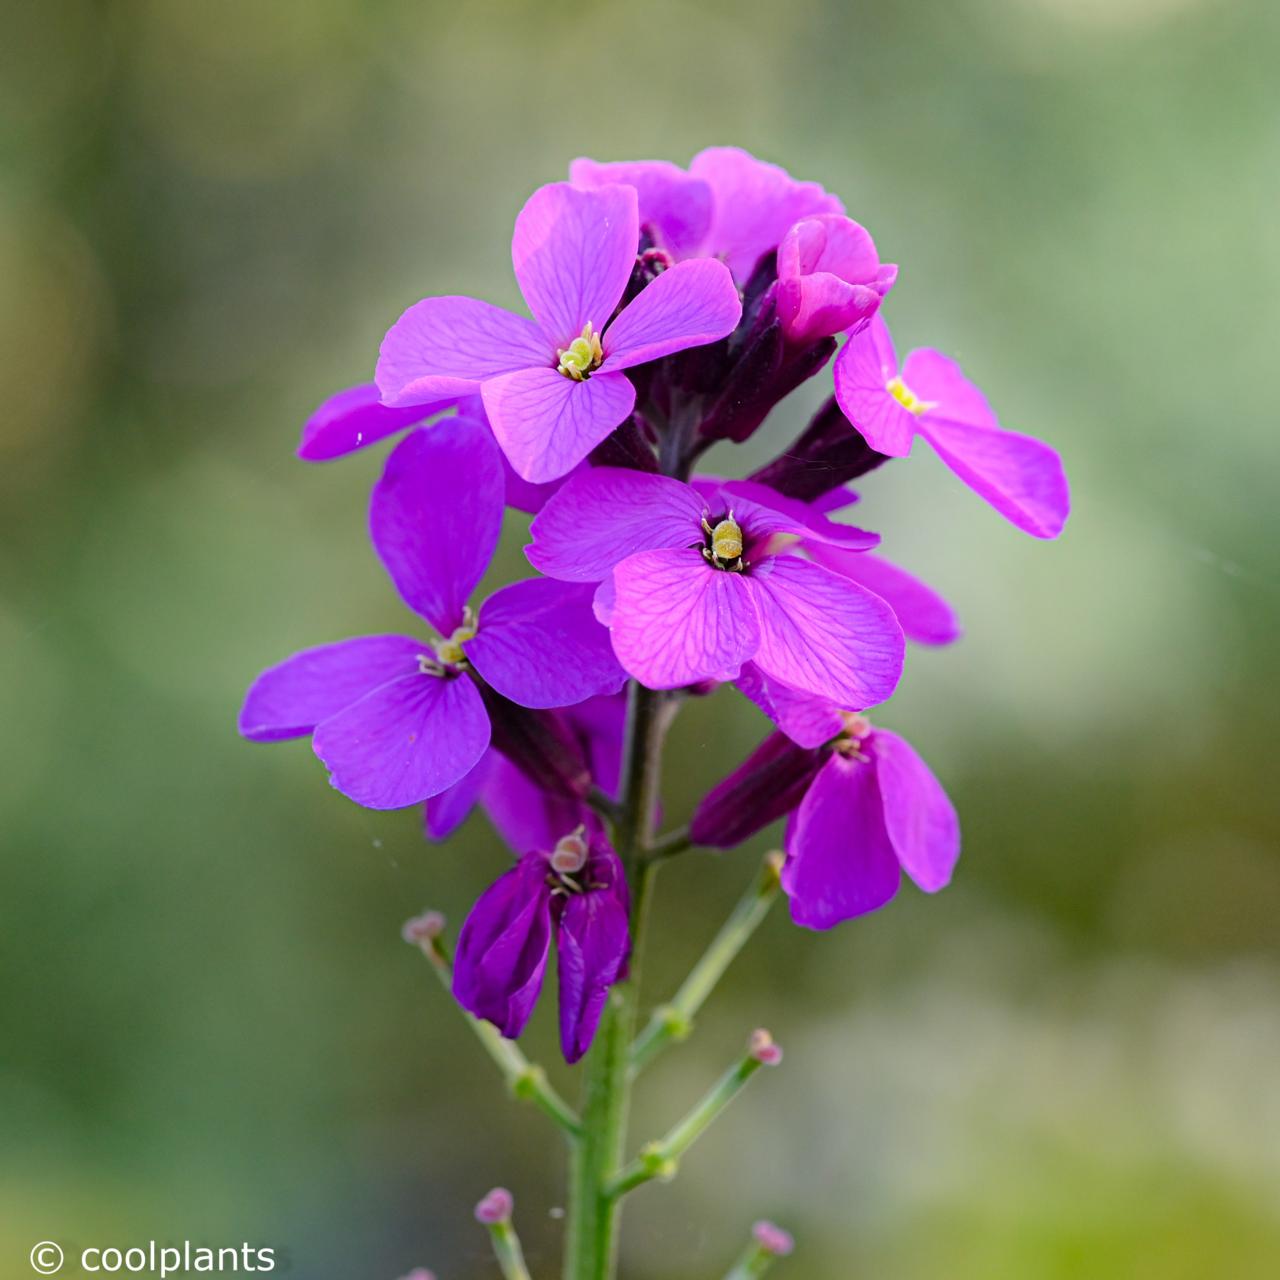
x,y
1067,1065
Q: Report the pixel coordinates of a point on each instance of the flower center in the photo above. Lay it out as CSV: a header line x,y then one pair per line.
x,y
856,731
582,355
906,397
724,544
449,652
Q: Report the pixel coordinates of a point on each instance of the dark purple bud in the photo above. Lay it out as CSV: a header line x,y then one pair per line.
x,y
828,453
628,446
503,945
539,744
748,390
768,784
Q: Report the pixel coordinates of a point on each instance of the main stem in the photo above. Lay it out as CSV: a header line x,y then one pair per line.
x,y
591,1240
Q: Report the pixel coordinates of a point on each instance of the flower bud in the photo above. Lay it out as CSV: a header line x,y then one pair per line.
x,y
772,1239
829,452
495,1207
422,929
764,1049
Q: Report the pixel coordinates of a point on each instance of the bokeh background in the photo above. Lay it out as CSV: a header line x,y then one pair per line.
x,y
1067,1065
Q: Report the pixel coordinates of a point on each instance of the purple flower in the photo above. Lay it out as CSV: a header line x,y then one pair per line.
x,y
693,589
397,718
830,278
729,205
864,808
554,387
576,893
1020,476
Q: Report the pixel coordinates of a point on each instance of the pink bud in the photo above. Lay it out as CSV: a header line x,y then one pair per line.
x,y
495,1207
419,1273
772,1239
764,1049
420,929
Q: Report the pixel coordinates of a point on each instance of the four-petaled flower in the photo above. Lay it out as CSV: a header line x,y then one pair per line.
x,y
397,719
695,589
1018,475
574,892
554,387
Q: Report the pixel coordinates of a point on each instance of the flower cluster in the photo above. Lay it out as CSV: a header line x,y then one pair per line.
x,y
669,310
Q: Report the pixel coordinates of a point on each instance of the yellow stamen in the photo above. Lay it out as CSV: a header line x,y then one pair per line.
x,y
582,355
906,397
450,651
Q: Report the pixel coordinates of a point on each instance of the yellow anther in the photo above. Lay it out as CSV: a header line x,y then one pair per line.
x,y
450,651
582,355
906,397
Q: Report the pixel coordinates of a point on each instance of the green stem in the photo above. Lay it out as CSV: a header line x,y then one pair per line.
x,y
674,1021
506,1248
660,1159
592,1232
524,1079
753,1263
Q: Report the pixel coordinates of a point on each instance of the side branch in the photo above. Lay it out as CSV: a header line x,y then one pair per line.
x,y
661,1159
525,1080
674,1021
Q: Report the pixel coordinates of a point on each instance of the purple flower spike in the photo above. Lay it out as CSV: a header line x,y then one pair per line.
x,y
1021,477
555,387
398,719
692,590
577,891
830,278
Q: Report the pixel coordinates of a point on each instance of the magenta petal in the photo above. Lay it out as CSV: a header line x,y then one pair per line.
x,y
447,811
593,942
435,517
539,644
939,381
829,278
805,718
676,620
1020,476
755,204
688,305
604,515
503,946
573,251
763,511
676,206
448,346
290,699
405,741
925,616
547,423
821,633
355,418
920,819
863,369
840,861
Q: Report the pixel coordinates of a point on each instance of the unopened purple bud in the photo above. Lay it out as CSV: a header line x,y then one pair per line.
x,y
495,1207
764,1049
772,1239
424,928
